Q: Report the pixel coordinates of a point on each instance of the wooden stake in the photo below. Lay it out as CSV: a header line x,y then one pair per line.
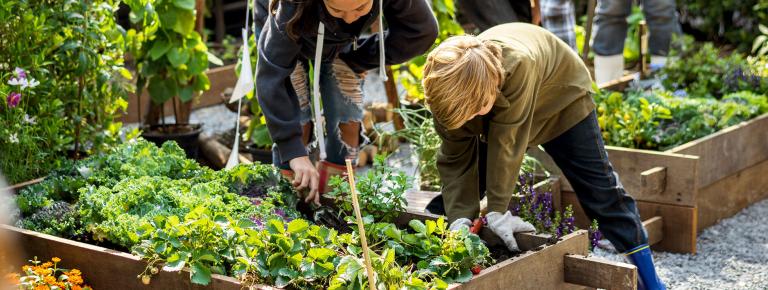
x,y
360,227
588,33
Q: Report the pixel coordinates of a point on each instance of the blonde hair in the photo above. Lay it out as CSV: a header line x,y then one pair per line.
x,y
462,76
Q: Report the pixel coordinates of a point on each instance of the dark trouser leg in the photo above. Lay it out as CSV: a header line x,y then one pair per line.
x,y
580,154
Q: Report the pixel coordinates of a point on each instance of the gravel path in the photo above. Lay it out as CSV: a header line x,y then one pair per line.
x,y
732,254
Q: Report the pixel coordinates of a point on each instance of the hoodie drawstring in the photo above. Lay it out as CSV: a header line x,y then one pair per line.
x,y
316,90
382,69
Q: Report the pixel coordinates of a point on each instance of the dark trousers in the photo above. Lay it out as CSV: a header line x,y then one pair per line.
x,y
580,154
488,13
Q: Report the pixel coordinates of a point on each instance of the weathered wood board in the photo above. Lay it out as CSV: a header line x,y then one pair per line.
x,y
728,151
731,194
104,268
646,175
678,227
542,269
600,273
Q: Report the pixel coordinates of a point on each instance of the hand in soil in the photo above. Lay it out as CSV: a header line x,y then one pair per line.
x,y
306,177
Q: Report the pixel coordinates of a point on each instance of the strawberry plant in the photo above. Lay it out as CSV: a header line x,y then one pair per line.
x,y
241,222
433,248
381,192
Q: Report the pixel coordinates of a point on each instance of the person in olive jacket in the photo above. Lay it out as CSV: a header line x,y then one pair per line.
x,y
300,31
514,86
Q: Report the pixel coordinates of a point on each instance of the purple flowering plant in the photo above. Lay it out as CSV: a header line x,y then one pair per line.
x,y
537,208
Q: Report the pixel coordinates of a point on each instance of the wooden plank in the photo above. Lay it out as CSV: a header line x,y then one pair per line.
x,y
655,228
600,273
679,184
104,268
543,269
730,195
654,180
729,150
14,189
679,236
619,84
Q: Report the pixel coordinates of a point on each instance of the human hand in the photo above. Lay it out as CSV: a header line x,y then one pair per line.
x,y
305,177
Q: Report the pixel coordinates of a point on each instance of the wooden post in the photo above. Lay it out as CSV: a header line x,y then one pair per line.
x,y
393,98
218,15
360,227
643,36
588,33
200,18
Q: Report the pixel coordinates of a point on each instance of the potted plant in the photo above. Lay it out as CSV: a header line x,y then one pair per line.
x,y
261,143
171,59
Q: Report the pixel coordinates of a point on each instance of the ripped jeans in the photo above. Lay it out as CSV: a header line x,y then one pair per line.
x,y
341,91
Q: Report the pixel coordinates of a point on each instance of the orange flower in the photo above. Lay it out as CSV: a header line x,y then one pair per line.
x,y
56,259
75,271
75,279
42,287
47,265
49,280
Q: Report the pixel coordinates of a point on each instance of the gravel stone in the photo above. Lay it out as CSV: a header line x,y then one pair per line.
x,y
732,254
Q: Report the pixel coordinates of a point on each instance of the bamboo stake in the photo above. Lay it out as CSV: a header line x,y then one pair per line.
x,y
360,227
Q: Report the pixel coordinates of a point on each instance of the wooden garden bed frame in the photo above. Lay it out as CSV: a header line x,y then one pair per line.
x,y
563,265
693,185
541,265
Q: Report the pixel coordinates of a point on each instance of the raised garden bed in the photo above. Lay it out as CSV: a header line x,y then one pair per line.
x,y
566,255
694,184
556,264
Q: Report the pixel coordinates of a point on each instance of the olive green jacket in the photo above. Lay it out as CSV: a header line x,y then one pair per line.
x,y
546,91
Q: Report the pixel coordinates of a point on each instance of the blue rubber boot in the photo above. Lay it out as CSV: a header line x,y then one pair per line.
x,y
643,259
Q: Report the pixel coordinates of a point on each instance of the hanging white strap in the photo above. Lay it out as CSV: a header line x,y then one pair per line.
x,y
244,85
382,63
319,136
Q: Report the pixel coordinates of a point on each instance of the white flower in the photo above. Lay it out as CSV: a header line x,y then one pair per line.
x,y
17,82
32,83
13,138
30,120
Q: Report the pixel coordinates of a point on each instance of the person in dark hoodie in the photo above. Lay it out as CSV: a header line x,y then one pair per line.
x,y
326,34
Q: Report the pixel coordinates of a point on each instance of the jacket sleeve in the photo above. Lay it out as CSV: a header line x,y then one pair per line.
x,y
457,164
277,98
508,133
412,29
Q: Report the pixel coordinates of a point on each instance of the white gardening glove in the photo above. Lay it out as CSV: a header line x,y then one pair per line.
x,y
460,223
506,225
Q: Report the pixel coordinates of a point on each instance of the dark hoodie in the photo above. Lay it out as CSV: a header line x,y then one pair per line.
x,y
412,29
